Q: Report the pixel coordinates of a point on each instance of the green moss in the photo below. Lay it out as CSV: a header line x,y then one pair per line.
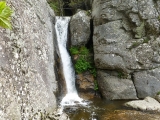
x,y
140,30
54,6
57,6
135,44
122,75
146,40
95,85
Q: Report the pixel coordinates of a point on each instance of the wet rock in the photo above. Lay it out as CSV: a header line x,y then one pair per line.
x,y
130,115
58,115
27,78
80,28
114,88
85,81
148,104
85,85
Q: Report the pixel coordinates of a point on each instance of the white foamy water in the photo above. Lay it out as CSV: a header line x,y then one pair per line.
x,y
71,97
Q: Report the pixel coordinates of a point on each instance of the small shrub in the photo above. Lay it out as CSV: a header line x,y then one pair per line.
x,y
93,71
74,50
82,65
5,15
95,85
84,51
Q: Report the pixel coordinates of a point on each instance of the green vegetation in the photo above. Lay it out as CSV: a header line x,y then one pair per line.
x,y
82,65
84,62
74,50
158,93
135,44
140,30
84,51
54,6
95,85
57,6
122,75
146,40
5,15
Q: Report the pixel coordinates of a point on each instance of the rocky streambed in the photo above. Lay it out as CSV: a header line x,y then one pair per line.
x,y
100,109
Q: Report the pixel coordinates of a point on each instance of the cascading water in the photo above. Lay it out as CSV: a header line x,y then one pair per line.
x,y
68,71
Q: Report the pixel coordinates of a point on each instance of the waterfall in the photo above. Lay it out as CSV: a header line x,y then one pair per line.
x,y
71,97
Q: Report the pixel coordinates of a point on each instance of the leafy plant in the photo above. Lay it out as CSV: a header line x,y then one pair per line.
x,y
84,50
93,71
95,85
5,15
74,50
82,65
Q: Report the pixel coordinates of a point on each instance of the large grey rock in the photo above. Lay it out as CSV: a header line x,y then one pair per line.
x,y
114,88
27,79
147,83
126,37
148,104
80,28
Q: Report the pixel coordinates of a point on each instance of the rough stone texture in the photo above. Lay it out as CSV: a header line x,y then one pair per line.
x,y
80,28
129,115
126,38
85,81
114,88
27,79
147,83
148,104
85,85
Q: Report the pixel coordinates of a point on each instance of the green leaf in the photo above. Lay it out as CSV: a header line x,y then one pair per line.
x,y
5,23
5,14
2,5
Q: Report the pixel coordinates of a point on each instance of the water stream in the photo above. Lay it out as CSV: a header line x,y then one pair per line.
x,y
71,97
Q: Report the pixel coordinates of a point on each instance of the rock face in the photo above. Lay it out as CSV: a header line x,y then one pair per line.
x,y
85,85
27,79
114,88
147,82
126,39
80,28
